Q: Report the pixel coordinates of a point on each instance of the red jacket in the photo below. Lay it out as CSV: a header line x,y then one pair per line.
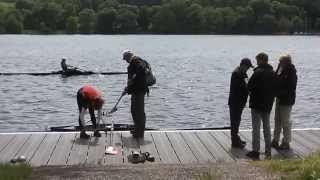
x,y
90,93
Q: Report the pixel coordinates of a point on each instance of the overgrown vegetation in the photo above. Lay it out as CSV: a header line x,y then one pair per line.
x,y
15,172
306,169
160,16
212,175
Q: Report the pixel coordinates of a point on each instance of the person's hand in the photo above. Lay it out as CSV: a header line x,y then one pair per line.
x,y
125,91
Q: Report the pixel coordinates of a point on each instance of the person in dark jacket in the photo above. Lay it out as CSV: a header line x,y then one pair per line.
x,y
238,96
90,98
261,90
137,87
285,99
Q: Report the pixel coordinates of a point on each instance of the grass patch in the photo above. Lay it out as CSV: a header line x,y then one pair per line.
x,y
210,175
15,172
305,169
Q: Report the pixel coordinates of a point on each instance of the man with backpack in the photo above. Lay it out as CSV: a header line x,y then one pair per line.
x,y
137,86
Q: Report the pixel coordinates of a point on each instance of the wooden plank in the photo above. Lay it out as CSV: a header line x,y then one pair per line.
x,y
62,149
130,144
96,152
297,146
5,139
147,145
316,133
13,148
31,146
214,147
166,152
313,138
114,139
306,140
79,151
196,146
181,148
44,152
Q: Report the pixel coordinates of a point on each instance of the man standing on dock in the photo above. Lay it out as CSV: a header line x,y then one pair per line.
x,y
137,87
238,96
286,96
261,88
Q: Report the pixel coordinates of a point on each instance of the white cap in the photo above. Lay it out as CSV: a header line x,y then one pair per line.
x,y
126,53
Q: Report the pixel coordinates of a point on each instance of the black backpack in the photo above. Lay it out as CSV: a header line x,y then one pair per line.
x,y
150,78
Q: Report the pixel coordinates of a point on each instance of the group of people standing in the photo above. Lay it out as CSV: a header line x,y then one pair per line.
x,y
90,98
263,87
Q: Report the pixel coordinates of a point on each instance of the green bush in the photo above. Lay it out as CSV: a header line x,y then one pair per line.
x,y
13,25
305,169
15,172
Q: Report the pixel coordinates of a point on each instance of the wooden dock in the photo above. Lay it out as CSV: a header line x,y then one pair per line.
x,y
168,147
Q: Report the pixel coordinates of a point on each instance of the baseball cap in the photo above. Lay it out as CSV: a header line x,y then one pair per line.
x,y
246,61
126,53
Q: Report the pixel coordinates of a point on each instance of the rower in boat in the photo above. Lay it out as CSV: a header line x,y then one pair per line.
x,y
71,70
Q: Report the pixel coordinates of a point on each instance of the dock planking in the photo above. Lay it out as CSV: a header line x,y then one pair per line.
x,y
45,149
168,147
166,152
181,148
62,149
199,150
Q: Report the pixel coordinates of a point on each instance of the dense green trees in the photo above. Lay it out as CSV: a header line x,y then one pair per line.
x,y
86,21
156,16
72,25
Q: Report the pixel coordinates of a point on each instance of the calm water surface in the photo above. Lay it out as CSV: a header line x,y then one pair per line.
x,y
193,76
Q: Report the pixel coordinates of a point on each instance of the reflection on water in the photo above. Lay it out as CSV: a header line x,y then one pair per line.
x,y
193,74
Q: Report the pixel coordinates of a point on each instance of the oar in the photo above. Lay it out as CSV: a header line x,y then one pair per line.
x,y
80,69
114,109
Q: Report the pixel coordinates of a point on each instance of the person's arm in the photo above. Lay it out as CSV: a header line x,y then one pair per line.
x,y
92,116
133,73
291,81
81,116
252,83
99,116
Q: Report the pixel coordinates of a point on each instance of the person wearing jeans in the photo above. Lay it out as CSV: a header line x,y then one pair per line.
x,y
261,87
257,117
90,98
285,99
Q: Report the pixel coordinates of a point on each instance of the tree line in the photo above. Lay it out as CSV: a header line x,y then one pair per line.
x,y
159,16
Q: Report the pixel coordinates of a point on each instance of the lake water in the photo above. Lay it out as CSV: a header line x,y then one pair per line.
x,y
193,76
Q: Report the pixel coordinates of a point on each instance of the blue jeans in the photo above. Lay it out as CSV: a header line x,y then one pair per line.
x,y
257,117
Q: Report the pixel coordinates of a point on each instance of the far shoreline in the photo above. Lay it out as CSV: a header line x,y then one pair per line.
x,y
156,34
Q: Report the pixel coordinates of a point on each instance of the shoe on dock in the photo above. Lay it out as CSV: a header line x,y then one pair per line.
x,y
136,157
254,155
84,135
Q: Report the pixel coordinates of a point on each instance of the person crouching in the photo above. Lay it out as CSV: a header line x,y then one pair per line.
x,y
89,98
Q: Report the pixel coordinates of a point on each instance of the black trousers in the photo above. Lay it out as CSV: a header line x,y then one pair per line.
x,y
82,103
235,119
138,114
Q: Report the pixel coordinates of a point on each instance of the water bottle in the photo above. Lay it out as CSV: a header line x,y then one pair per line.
x,y
112,127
